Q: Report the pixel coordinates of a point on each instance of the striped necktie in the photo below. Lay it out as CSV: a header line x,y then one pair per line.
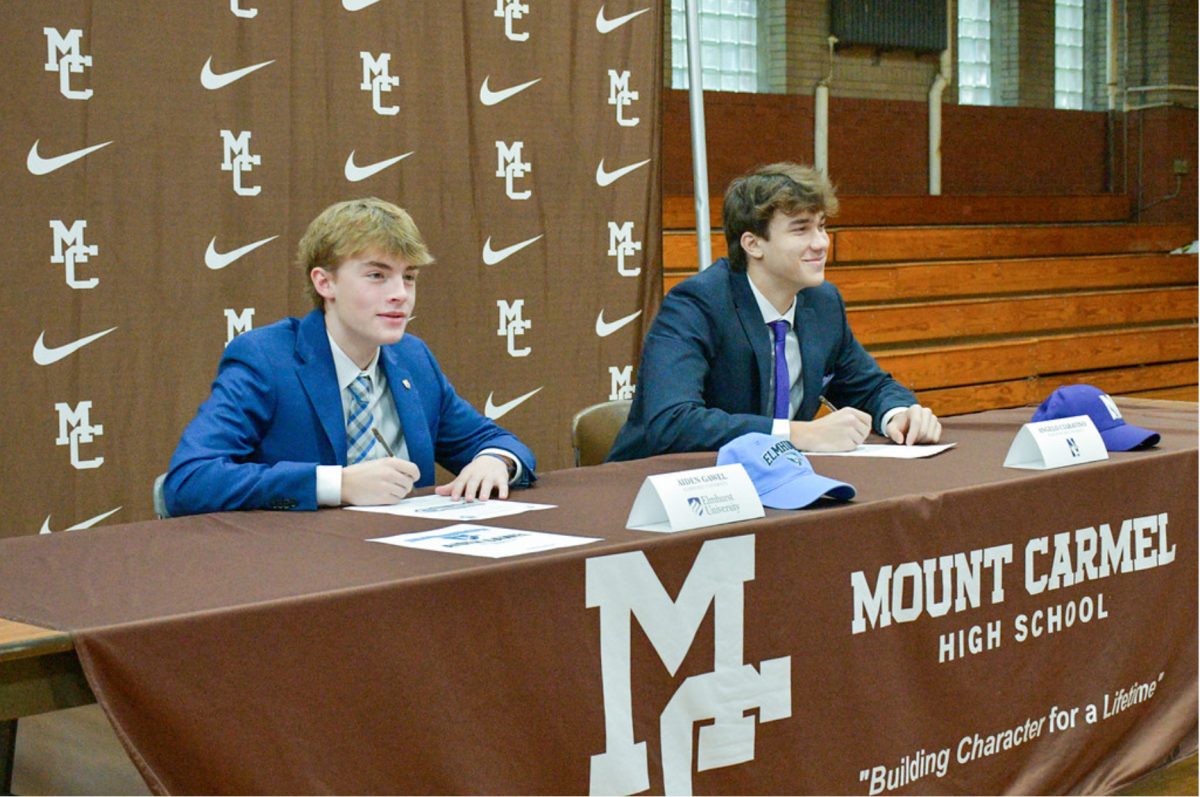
x,y
359,441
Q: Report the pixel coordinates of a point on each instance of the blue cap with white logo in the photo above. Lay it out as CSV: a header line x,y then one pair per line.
x,y
780,473
1096,404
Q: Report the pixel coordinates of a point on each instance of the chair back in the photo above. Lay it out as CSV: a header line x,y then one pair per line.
x,y
594,428
160,503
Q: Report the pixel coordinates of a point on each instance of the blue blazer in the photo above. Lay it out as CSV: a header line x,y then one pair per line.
x,y
706,367
275,413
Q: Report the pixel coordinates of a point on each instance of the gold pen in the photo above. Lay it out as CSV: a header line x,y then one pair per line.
x,y
382,442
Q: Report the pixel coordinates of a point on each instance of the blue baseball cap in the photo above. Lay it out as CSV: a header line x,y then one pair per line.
x,y
780,473
1096,404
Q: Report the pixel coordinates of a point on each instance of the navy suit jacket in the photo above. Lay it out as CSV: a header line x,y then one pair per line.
x,y
707,362
275,413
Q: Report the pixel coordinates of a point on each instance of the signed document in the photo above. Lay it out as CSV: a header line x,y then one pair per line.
x,y
487,541
439,507
885,451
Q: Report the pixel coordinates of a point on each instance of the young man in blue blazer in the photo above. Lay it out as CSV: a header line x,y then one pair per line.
x,y
341,406
709,363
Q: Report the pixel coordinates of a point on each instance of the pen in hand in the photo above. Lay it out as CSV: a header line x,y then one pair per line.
x,y
382,442
828,404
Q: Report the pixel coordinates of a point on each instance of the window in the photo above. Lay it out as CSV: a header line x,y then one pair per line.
x,y
974,52
1068,54
728,45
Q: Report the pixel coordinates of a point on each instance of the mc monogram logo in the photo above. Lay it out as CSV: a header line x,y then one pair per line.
x,y
64,57
236,323
512,324
620,96
510,166
238,159
377,79
74,429
70,249
622,379
623,586
245,13
622,245
511,11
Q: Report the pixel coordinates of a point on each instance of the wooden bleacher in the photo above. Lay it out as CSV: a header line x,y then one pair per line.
x,y
986,302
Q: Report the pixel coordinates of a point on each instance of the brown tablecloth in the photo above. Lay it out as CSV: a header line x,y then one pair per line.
x,y
278,652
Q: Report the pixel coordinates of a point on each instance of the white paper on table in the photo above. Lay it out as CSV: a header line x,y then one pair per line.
x,y
486,541
886,451
438,507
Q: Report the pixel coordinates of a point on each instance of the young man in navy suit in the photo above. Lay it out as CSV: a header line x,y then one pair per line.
x,y
341,406
709,363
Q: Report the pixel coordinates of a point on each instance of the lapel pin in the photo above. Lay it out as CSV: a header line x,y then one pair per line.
x,y
406,384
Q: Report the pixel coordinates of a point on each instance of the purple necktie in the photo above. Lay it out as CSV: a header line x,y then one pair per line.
x,y
783,385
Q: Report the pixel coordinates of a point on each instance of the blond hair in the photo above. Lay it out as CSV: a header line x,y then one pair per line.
x,y
347,229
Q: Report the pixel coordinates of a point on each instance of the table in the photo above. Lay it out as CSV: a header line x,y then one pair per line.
x,y
271,652
39,672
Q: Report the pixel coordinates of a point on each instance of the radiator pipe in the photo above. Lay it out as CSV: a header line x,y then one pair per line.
x,y
699,143
935,107
821,116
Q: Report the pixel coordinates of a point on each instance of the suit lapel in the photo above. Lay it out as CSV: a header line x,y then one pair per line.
x,y
319,378
408,406
751,320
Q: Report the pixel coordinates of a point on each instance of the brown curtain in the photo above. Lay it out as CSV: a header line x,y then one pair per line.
x,y
223,127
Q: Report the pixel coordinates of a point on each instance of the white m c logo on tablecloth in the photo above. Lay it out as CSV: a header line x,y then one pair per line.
x,y
624,585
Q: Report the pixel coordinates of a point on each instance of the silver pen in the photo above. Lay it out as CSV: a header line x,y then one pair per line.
x,y
382,442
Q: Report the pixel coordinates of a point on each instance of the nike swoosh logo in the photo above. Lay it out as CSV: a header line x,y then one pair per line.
x,y
494,412
489,97
609,25
219,260
48,355
357,5
494,256
358,173
218,80
87,524
604,329
39,165
604,178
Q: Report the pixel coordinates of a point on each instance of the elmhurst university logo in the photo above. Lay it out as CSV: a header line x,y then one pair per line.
x,y
697,506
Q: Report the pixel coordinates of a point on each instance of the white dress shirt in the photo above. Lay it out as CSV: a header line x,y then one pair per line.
x,y
791,346
382,405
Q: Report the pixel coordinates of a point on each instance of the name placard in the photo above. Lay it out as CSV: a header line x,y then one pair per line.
x,y
1056,444
694,499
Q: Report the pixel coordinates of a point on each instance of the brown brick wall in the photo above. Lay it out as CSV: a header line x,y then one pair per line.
x,y
878,111
881,146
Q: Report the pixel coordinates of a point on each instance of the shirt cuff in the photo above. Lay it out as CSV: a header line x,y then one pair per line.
x,y
329,485
887,417
509,457
781,427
